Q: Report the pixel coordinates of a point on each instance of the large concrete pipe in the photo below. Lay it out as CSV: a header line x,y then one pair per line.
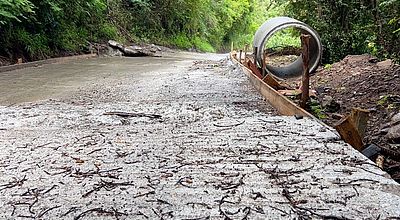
x,y
295,69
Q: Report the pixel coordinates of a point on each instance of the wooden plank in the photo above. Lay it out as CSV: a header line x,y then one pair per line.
x,y
271,81
349,133
305,85
252,67
282,104
352,128
360,119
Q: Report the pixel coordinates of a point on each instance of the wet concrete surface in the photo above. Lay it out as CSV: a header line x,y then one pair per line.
x,y
202,144
54,81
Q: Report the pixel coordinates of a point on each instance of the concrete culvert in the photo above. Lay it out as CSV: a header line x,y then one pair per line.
x,y
294,69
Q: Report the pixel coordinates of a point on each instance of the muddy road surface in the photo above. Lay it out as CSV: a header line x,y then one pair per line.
x,y
180,137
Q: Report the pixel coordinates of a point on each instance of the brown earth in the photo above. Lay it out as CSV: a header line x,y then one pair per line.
x,y
363,82
4,61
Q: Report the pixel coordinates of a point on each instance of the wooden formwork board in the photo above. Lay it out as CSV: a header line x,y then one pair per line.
x,y
42,62
282,104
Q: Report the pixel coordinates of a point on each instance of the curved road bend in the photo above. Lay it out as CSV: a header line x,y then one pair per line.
x,y
201,144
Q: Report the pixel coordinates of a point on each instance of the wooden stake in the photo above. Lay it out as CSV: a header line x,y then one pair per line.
x,y
305,85
264,64
352,128
240,56
349,133
255,51
360,119
245,53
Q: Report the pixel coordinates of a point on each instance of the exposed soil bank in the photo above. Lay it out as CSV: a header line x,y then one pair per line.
x,y
363,82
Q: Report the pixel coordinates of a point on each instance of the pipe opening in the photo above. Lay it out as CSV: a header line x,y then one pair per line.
x,y
273,28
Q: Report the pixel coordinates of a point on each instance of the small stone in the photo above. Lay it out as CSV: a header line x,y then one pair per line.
x,y
393,134
395,119
385,64
330,104
326,100
337,116
298,117
371,151
384,131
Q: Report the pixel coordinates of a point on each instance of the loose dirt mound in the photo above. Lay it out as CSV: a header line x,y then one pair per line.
x,y
4,61
360,81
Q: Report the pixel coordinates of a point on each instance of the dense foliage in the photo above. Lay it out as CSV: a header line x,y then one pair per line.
x,y
353,27
36,29
41,28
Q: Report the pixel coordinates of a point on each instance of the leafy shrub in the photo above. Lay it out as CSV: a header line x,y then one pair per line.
x,y
181,41
71,38
36,45
203,45
107,32
352,27
15,10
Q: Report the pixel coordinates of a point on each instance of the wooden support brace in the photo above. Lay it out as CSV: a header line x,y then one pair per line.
x,y
360,118
254,69
264,64
305,85
352,128
271,81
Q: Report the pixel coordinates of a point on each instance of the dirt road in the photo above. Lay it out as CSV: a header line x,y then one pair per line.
x,y
199,143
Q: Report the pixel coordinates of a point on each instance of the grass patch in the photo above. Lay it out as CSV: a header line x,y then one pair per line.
x,y
181,41
317,110
203,45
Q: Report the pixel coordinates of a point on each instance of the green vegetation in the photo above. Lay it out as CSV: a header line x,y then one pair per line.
x,y
389,101
317,110
286,38
36,29
352,27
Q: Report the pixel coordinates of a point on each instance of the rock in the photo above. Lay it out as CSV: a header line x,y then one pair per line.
x,y
393,134
330,104
384,131
299,117
371,151
155,47
134,50
115,44
373,60
337,116
320,90
326,100
393,129
395,119
385,64
114,52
